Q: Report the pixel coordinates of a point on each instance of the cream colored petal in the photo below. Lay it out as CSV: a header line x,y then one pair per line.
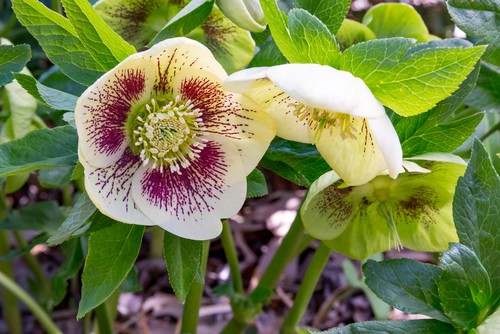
x,y
110,189
191,204
240,81
102,110
388,141
177,54
440,157
356,160
232,115
412,167
326,88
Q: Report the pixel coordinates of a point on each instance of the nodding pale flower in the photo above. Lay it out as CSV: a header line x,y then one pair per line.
x,y
414,210
332,109
138,22
247,14
163,144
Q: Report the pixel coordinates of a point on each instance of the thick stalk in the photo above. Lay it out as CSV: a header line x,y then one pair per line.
x,y
193,301
306,289
156,245
103,319
232,257
491,131
38,312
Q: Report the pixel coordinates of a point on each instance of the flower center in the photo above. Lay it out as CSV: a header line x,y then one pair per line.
x,y
168,134
319,120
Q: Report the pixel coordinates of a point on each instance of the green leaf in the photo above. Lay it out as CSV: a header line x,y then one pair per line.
x,y
479,18
50,97
304,39
396,20
183,258
486,94
68,269
41,216
430,131
131,282
408,285
105,45
79,214
268,55
39,149
394,327
39,239
55,177
464,287
409,81
296,162
476,211
330,12
59,40
191,16
256,184
12,59
352,32
111,256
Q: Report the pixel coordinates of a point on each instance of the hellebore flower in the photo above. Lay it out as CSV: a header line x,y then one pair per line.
x,y
138,22
332,109
414,210
163,144
247,14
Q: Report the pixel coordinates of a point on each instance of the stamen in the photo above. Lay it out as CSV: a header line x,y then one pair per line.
x,y
384,210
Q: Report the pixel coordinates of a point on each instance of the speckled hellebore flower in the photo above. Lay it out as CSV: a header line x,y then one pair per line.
x,y
414,210
332,109
138,22
163,144
247,14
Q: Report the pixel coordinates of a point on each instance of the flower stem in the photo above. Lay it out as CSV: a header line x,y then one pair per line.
x,y
32,305
231,256
193,299
156,245
306,289
104,320
491,131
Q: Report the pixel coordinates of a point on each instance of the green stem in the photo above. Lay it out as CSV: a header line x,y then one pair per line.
x,y
491,131
156,245
46,322
193,301
306,289
32,264
9,26
232,257
103,318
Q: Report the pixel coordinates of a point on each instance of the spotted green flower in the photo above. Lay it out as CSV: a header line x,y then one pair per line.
x,y
414,210
138,22
163,144
332,109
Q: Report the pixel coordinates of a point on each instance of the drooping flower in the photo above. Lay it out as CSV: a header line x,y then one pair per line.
x,y
330,108
247,14
163,144
138,22
414,210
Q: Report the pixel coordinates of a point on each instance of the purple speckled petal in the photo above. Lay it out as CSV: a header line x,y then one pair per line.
x,y
192,204
102,110
110,189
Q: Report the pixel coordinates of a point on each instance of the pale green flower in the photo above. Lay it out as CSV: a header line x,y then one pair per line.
x,y
247,14
414,210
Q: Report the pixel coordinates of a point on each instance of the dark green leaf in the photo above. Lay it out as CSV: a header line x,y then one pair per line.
x,y
479,18
105,45
330,12
50,97
296,162
430,131
69,268
183,259
111,256
41,216
191,16
394,327
256,184
39,149
476,211
408,285
59,40
79,214
486,94
268,55
55,177
131,282
12,59
464,287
